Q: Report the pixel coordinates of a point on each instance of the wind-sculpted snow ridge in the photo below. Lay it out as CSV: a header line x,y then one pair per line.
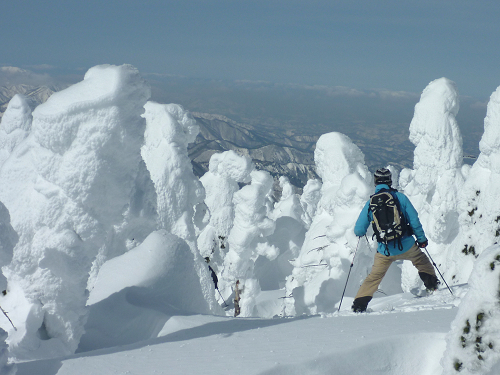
x,y
474,340
169,130
434,184
73,191
316,282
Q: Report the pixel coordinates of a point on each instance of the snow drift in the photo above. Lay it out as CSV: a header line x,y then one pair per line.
x,y
136,293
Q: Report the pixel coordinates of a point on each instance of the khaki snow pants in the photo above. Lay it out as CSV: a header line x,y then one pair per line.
x,y
382,263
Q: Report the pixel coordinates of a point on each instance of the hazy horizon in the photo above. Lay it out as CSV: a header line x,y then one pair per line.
x,y
366,116
361,44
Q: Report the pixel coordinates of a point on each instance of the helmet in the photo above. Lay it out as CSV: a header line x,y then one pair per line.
x,y
383,176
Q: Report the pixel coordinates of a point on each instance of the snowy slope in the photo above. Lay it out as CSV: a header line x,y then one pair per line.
x,y
403,335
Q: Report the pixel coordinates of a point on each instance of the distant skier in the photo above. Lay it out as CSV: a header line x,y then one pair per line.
x,y
212,273
394,221
215,279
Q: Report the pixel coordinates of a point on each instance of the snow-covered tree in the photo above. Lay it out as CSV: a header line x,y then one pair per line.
x,y
317,280
226,171
437,178
8,240
169,130
309,199
474,340
247,240
15,125
287,239
70,187
478,202
395,176
289,203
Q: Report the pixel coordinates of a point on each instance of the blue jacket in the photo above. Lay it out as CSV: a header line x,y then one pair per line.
x,y
365,218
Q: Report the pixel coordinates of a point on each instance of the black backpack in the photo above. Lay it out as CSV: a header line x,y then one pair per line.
x,y
388,223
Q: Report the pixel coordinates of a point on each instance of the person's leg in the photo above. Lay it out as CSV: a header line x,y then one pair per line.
x,y
424,266
365,293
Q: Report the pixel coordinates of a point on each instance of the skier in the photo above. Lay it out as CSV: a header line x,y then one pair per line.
x,y
396,243
215,279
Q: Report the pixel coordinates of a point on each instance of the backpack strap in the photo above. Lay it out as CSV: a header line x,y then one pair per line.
x,y
375,233
407,229
404,225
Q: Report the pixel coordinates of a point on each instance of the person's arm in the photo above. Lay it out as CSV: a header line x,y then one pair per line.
x,y
363,221
412,216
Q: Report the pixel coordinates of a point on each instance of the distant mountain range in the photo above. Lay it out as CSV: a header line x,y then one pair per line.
x,y
35,95
280,154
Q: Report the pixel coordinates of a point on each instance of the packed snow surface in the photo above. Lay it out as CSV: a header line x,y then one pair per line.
x,y
402,335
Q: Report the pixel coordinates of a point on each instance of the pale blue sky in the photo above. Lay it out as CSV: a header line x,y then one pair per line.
x,y
363,44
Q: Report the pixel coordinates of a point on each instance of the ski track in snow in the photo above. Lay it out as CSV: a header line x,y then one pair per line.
x,y
400,335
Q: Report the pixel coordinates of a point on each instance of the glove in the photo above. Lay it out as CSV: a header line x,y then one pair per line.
x,y
423,244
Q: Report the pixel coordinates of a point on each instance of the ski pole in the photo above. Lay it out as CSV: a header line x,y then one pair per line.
x,y
368,243
15,329
434,264
350,268
222,297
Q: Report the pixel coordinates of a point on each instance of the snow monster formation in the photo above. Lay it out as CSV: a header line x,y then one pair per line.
x,y
320,270
169,130
71,189
311,194
289,204
247,240
226,171
478,201
437,176
15,126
